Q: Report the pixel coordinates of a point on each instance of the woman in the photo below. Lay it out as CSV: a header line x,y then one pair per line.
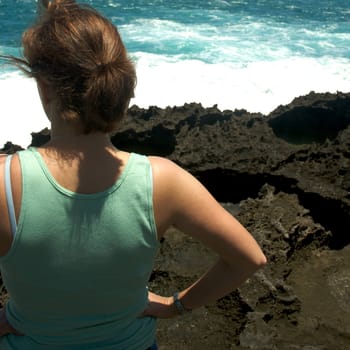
x,y
78,244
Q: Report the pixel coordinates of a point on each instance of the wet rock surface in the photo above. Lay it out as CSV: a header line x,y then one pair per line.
x,y
286,177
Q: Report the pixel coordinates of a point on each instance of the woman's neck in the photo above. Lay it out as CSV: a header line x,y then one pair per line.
x,y
68,137
80,146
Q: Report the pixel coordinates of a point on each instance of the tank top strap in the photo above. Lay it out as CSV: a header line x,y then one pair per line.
x,y
9,196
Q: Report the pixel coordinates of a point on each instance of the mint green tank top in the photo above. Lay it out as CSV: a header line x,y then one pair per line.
x,y
78,268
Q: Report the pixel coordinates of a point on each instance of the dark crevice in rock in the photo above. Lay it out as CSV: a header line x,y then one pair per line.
x,y
307,125
229,186
158,141
311,118
330,214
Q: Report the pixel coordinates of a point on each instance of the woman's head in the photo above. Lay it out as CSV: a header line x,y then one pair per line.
x,y
81,56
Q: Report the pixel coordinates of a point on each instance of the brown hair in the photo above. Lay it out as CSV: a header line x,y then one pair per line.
x,y
80,53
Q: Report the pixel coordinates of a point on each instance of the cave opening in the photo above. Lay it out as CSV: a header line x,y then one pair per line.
x,y
305,125
233,187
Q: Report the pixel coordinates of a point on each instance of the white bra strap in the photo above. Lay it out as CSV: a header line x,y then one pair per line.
x,y
9,197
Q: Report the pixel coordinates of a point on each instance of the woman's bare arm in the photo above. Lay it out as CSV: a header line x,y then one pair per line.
x,y
180,200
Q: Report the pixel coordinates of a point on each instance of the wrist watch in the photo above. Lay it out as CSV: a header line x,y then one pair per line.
x,y
179,306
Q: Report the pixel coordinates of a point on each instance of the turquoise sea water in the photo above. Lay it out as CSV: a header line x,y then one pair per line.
x,y
251,54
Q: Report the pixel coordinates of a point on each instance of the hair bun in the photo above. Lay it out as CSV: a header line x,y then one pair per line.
x,y
82,56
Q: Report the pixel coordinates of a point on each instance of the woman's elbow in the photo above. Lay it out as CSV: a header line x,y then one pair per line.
x,y
260,261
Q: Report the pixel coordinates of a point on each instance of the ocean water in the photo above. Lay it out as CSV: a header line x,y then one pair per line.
x,y
250,54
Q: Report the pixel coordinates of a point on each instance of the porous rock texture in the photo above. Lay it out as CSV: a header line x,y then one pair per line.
x,y
286,177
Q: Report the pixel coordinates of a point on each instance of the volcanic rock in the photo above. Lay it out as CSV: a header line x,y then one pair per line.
x,y
286,177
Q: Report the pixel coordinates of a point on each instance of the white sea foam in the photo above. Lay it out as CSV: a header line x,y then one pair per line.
x,y
21,111
167,81
256,87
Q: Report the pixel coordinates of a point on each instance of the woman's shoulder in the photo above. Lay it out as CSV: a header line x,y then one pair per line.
x,y
162,165
167,174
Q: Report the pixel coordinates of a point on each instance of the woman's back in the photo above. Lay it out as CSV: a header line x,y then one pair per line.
x,y
79,263
89,216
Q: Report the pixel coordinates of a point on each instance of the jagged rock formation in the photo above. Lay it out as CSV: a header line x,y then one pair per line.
x,y
286,177
235,153
289,173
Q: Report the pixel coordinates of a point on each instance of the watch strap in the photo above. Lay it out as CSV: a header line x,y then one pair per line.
x,y
179,306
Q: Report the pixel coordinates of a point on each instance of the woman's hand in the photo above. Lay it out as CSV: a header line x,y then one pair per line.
x,y
160,307
5,327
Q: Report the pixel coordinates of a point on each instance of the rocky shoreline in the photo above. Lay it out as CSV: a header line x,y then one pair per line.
x,y
286,177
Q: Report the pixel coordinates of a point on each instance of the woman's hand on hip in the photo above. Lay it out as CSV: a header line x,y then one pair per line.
x,y
160,307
